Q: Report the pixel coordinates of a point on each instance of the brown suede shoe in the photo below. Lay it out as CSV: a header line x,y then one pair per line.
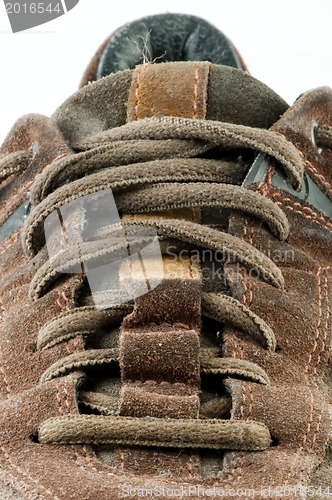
x,y
166,280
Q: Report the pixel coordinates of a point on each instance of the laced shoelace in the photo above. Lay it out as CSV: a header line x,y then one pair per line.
x,y
155,167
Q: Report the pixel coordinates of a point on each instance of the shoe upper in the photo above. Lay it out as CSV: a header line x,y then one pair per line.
x,y
218,375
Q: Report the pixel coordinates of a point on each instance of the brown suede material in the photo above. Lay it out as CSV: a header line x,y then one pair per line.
x,y
162,355
321,478
103,104
20,326
151,308
44,138
157,346
136,461
34,470
298,125
295,405
29,468
160,367
160,372
143,399
236,97
98,106
163,380
7,493
20,323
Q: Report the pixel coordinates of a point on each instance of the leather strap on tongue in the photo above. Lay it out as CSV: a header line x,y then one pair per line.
x,y
160,368
177,89
159,341
159,360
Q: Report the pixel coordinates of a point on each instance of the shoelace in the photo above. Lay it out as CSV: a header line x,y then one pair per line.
x,y
180,179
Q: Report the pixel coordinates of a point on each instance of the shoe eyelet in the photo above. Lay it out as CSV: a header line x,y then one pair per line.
x,y
278,349
33,148
34,436
313,126
32,348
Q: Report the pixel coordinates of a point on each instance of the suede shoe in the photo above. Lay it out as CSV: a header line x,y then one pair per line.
x,y
166,280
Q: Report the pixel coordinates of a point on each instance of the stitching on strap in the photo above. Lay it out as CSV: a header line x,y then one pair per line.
x,y
2,369
309,362
195,102
137,89
314,216
23,473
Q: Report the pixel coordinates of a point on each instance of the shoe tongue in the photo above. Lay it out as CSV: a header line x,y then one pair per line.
x,y
166,38
203,77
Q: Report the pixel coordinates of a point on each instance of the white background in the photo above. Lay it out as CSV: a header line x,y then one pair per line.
x,y
286,44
